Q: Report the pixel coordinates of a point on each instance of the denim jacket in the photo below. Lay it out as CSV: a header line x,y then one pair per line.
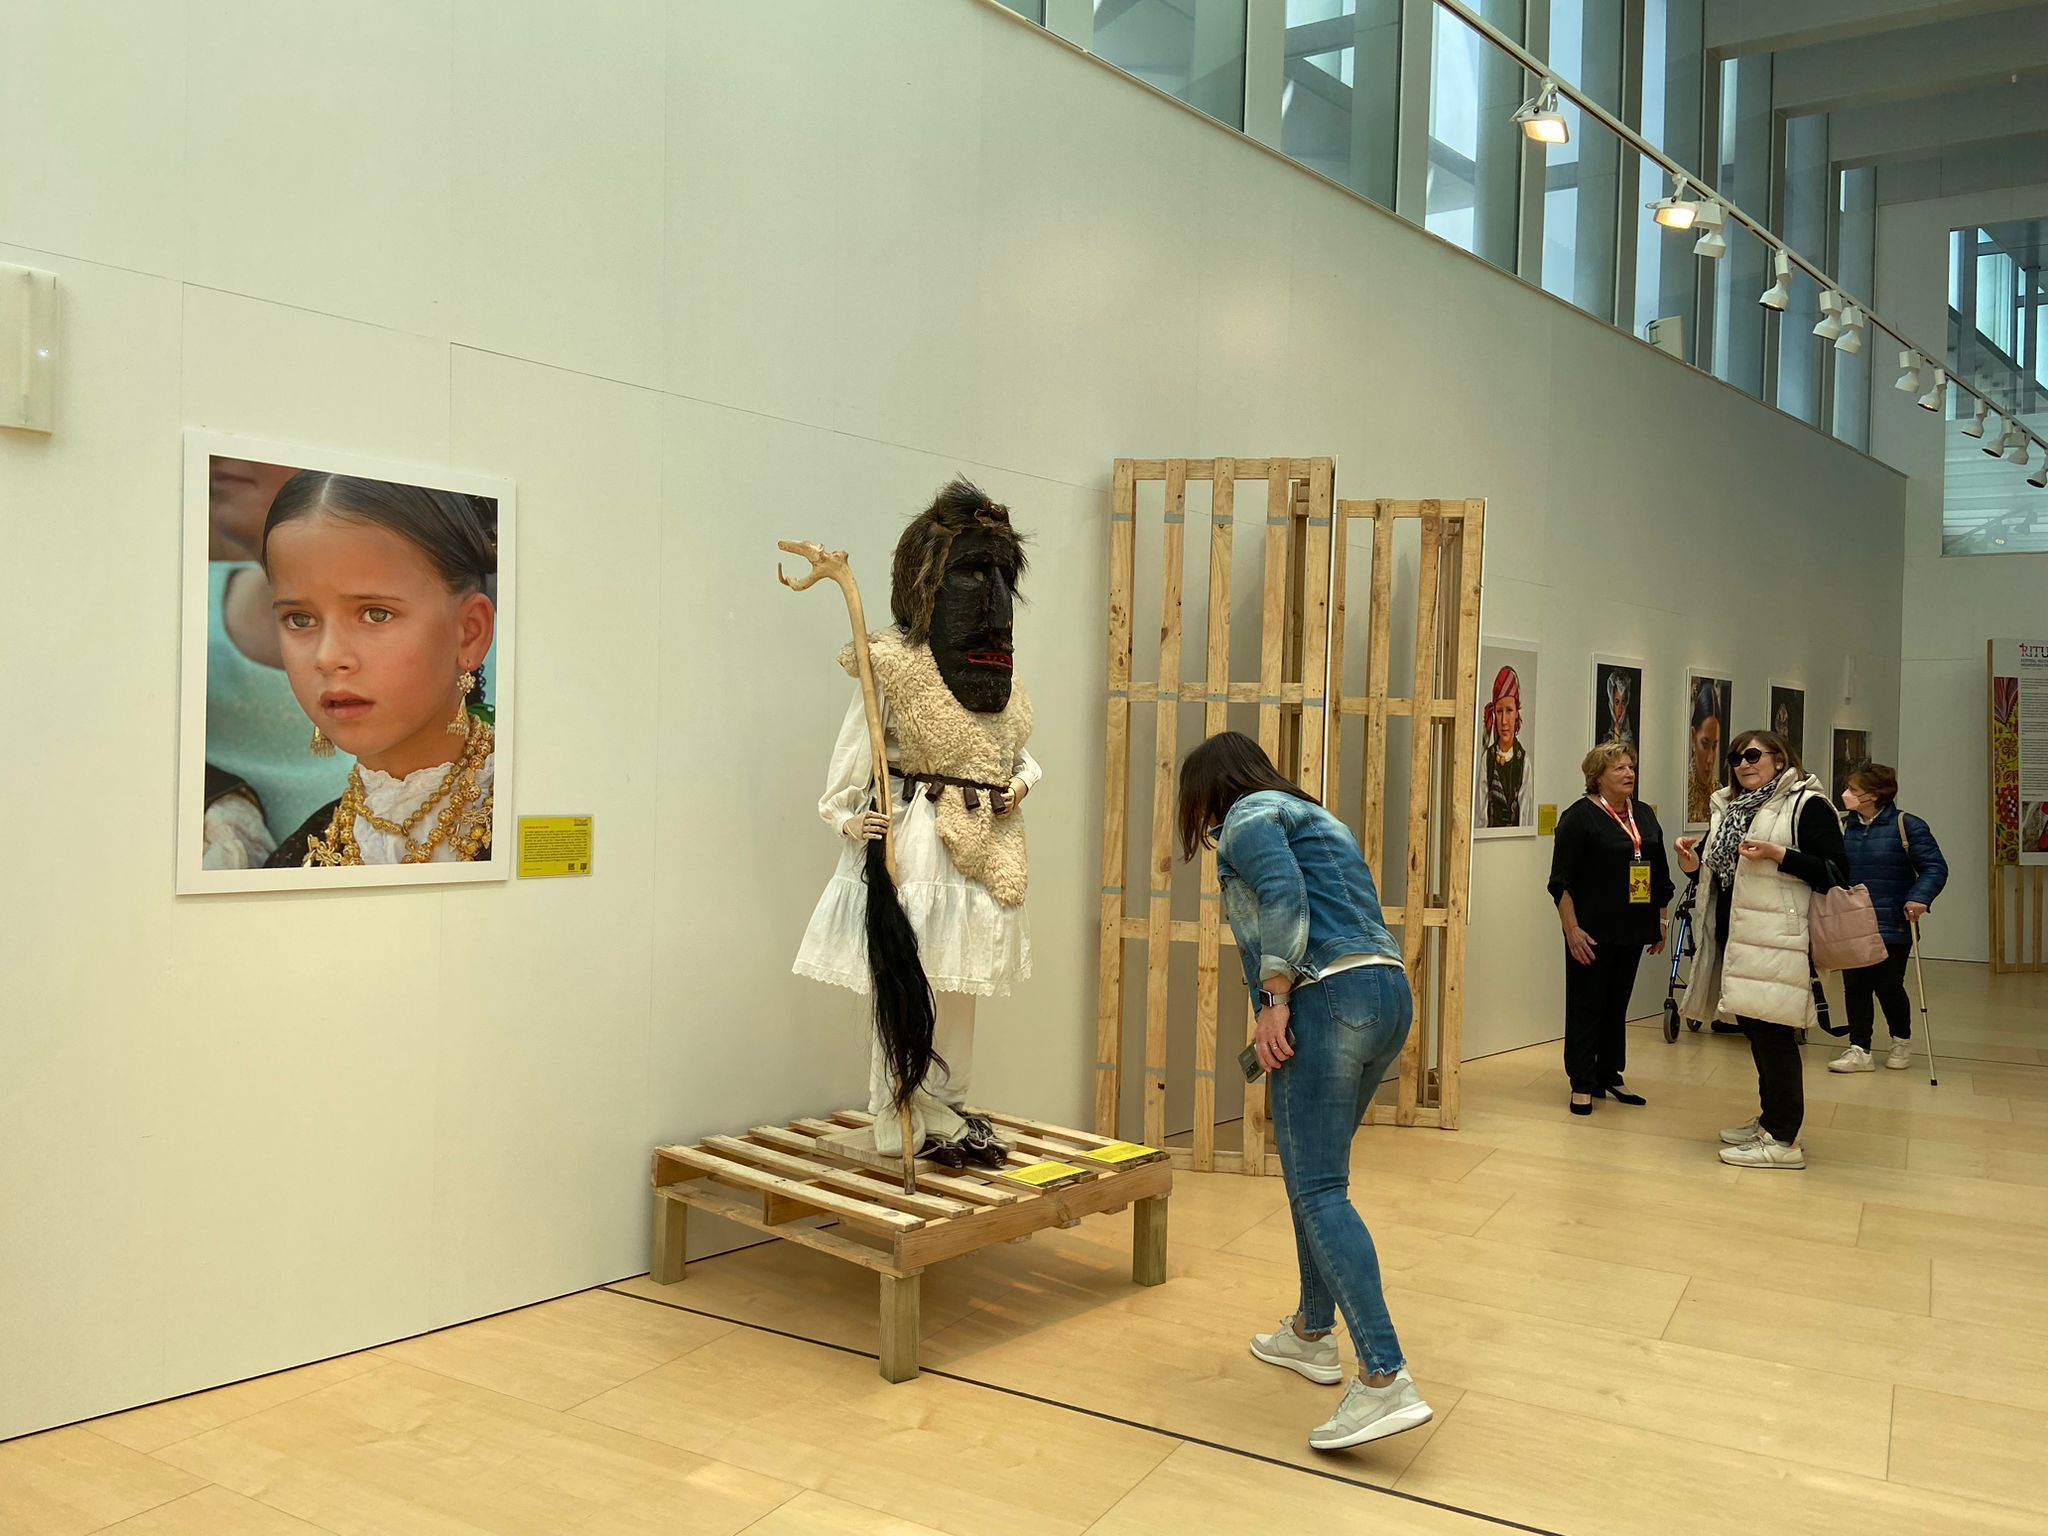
x,y
1296,889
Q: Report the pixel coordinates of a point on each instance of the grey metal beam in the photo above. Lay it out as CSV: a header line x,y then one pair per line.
x,y
1922,61
1939,124
1989,169
1736,27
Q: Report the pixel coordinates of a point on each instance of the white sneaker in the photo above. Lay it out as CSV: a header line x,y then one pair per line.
x,y
1854,1059
1743,1135
1765,1152
1314,1358
1371,1413
1900,1056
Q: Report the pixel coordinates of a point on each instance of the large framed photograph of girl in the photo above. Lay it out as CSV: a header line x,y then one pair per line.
x,y
347,671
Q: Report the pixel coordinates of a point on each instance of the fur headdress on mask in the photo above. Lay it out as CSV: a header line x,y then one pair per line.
x,y
926,545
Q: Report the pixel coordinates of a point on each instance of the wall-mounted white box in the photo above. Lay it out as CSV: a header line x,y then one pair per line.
x,y
28,349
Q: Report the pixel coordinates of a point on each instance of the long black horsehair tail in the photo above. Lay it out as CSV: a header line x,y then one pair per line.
x,y
905,1012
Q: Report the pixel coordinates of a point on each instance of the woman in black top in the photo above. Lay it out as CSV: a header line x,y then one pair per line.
x,y
1611,883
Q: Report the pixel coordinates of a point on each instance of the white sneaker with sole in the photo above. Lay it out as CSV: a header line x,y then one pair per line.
x,y
1743,1135
1900,1056
1765,1152
1854,1059
1314,1358
1371,1413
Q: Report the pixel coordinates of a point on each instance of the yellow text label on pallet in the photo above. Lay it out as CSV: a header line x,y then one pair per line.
x,y
550,846
1120,1152
1044,1173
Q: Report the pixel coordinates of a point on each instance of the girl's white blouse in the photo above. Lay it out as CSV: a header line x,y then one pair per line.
x,y
396,799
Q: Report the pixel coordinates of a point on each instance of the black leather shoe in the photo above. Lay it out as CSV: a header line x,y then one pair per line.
x,y
948,1154
1621,1095
1580,1109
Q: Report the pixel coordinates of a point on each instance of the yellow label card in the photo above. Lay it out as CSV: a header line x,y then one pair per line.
x,y
1546,821
1120,1152
553,845
1043,1173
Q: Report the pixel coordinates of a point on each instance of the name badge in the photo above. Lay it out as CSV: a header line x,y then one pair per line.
x,y
1639,884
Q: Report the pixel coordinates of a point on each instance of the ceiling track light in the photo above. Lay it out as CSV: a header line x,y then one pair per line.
x,y
2039,478
2020,448
1540,120
1937,393
1976,426
1909,373
1709,218
1996,444
1851,339
1830,326
1779,294
1675,211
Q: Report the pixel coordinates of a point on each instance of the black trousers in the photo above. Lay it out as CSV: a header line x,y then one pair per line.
x,y
1596,1012
1886,982
1780,1084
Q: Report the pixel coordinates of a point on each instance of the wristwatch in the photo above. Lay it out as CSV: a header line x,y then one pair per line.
x,y
1263,999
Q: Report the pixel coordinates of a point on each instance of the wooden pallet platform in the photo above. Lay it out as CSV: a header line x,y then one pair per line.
x,y
774,1177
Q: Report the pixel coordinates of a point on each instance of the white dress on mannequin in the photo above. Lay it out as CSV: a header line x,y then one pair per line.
x,y
972,945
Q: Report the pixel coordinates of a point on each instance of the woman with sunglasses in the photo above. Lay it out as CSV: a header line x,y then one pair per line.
x,y
1772,842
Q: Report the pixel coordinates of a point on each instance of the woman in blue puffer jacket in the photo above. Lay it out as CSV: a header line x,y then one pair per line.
x,y
1896,857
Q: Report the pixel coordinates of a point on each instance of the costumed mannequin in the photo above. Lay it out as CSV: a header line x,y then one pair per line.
x,y
954,724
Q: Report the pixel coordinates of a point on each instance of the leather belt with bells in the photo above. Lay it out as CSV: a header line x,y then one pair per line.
x,y
971,790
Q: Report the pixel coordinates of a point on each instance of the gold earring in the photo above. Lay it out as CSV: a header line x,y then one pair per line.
x,y
320,746
459,726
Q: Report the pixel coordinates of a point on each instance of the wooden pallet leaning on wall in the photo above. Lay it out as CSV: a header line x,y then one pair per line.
x,y
2019,893
1293,632
1428,901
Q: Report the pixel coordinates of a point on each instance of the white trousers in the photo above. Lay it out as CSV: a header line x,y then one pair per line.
x,y
935,1107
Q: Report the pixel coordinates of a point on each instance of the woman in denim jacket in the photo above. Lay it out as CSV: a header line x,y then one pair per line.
x,y
1333,1010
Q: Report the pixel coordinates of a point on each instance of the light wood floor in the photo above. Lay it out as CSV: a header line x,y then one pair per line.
x,y
1619,1335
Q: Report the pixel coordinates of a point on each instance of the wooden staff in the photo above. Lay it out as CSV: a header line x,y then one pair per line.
x,y
830,565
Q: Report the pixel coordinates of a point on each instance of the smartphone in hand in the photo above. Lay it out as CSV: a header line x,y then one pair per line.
x,y
1248,1059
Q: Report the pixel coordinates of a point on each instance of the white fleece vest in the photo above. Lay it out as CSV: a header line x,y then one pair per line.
x,y
936,733
1759,970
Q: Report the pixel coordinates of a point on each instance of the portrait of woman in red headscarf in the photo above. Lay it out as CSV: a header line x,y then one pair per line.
x,y
1507,676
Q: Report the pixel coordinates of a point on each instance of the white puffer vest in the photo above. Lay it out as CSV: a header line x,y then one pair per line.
x,y
1760,971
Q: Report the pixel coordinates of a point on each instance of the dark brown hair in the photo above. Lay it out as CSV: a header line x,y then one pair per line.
x,y
1772,743
1218,774
926,545
457,533
1877,780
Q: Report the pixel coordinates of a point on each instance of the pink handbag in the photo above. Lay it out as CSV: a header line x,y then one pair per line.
x,y
1841,925
1841,928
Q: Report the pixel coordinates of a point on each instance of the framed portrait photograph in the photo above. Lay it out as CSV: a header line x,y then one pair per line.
x,y
346,699
1709,727
1618,704
1851,750
1505,803
1787,717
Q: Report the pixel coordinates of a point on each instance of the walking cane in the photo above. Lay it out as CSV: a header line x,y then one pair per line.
x,y
1920,975
830,565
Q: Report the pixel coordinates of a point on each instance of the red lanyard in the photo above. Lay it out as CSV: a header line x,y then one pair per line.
x,y
1628,825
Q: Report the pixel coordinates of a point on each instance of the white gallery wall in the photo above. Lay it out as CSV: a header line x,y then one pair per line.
x,y
699,276
1954,606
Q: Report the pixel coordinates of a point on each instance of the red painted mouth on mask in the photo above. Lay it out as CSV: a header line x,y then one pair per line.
x,y
990,659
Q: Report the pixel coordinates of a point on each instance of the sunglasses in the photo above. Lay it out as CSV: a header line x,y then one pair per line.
x,y
1747,755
